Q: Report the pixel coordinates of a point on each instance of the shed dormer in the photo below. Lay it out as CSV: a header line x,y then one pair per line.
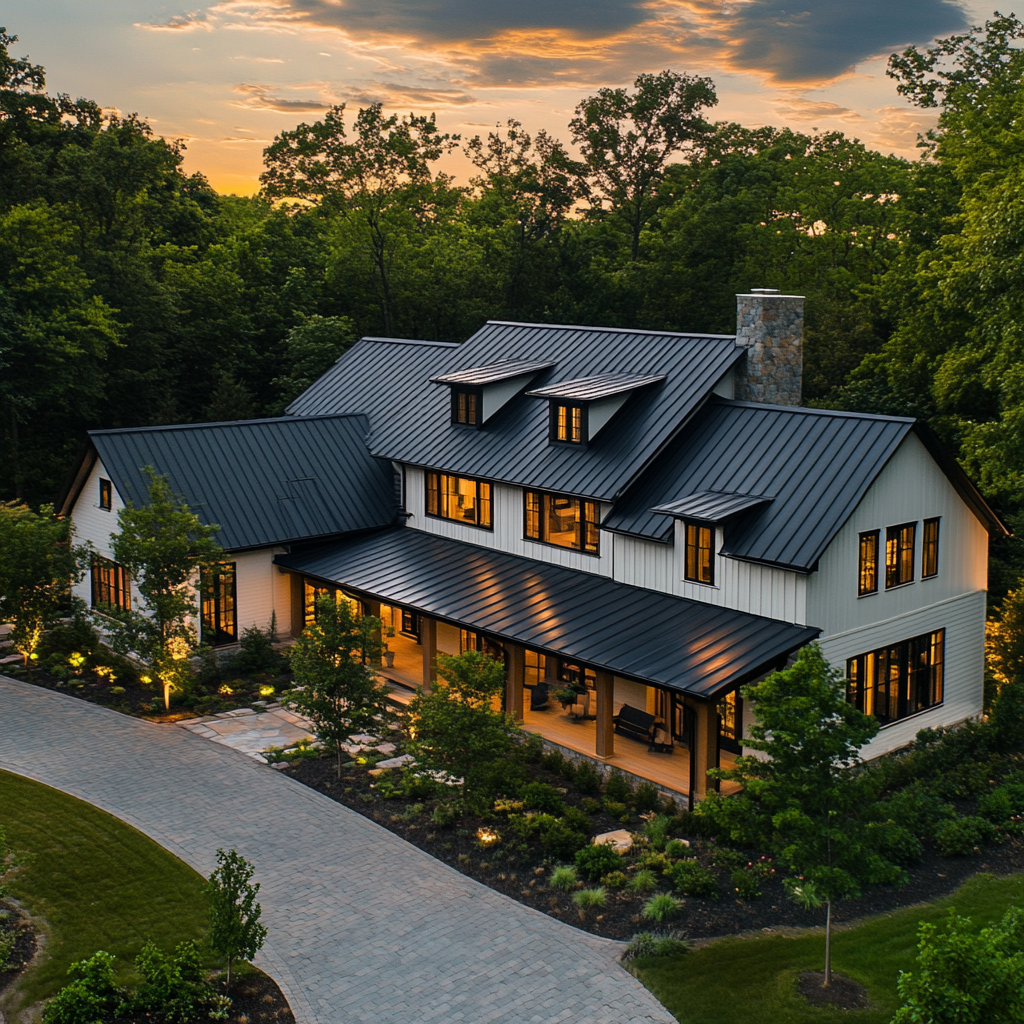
x,y
578,409
480,391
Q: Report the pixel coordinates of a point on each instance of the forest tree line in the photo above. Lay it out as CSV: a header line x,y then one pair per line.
x,y
132,293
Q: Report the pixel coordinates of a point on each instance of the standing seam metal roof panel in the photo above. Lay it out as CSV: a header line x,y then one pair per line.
x,y
642,634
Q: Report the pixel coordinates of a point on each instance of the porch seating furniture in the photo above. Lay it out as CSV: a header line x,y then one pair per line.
x,y
634,723
540,696
661,740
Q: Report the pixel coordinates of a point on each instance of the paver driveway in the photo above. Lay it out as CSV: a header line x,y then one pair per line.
x,y
363,926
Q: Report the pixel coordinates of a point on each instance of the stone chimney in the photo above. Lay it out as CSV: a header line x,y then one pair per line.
x,y
770,327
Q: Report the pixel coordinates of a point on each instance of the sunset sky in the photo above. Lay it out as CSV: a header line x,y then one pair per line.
x,y
227,77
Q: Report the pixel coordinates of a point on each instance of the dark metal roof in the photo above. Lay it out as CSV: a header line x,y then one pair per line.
x,y
590,389
711,506
504,370
641,634
263,481
410,417
815,464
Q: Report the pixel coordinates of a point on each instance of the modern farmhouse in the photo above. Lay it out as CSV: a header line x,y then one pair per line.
x,y
647,519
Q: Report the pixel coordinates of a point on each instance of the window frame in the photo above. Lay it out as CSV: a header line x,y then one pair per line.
x,y
930,548
697,526
862,589
439,499
474,399
106,499
588,530
899,561
573,411
218,606
119,585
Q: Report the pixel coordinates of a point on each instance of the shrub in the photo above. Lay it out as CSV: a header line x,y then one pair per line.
x,y
656,830
960,837
617,788
646,798
533,748
553,761
1003,803
917,808
594,861
563,842
640,947
643,881
174,988
894,842
444,815
654,861
723,857
590,805
678,850
568,770
416,785
256,652
616,810
616,880
692,879
587,778
746,884
692,823
564,878
588,899
763,867
539,796
576,819
91,996
660,907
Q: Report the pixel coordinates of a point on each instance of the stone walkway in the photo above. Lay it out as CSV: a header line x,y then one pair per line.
x,y
252,732
364,927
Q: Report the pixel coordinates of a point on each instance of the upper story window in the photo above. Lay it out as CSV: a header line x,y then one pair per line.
x,y
111,590
106,494
567,423
466,406
563,521
899,680
699,561
930,549
899,554
867,568
459,498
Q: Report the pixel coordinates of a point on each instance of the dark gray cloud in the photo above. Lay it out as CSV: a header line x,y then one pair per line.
x,y
261,97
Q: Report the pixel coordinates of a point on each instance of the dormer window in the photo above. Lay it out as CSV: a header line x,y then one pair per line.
x,y
466,406
567,423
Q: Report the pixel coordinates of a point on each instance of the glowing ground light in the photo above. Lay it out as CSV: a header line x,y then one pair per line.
x,y
266,691
487,838
225,691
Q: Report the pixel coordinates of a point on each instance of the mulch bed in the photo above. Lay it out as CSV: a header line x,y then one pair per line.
x,y
256,999
842,993
13,919
699,918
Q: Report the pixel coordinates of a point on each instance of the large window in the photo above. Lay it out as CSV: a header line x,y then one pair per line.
x,y
699,564
930,549
867,572
466,406
563,521
899,680
219,621
567,423
111,589
459,498
730,722
899,554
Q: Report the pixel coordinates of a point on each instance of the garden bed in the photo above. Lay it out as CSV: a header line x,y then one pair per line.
x,y
527,877
257,999
15,922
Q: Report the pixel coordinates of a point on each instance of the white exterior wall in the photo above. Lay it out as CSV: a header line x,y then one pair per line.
x,y
507,535
93,524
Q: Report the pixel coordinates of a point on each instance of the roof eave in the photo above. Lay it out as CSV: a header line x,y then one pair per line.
x,y
74,483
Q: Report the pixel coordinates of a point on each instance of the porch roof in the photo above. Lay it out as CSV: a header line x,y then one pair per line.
x,y
640,634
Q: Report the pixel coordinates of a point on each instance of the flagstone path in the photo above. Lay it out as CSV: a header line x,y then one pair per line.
x,y
364,927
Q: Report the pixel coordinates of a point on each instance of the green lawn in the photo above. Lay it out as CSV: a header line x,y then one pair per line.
x,y
753,981
97,883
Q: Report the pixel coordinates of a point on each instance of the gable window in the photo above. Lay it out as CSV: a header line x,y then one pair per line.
x,y
563,521
106,495
111,590
219,622
567,423
930,549
899,554
700,554
899,680
466,406
459,498
867,571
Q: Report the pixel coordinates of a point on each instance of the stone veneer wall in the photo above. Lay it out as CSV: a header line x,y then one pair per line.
x,y
771,328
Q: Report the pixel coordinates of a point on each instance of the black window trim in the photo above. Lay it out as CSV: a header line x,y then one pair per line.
x,y
937,520
877,534
913,560
553,438
467,389
583,524
107,491
122,585
447,519
713,528
210,631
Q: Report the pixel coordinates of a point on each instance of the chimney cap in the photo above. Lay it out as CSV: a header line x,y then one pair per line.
x,y
764,291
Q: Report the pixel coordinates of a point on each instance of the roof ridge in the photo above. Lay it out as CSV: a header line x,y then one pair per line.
x,y
610,330
808,410
227,423
408,341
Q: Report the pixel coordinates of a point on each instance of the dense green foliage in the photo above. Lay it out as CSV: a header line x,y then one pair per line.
x,y
131,293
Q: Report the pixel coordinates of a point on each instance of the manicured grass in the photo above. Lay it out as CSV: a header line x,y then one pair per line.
x,y
752,981
97,883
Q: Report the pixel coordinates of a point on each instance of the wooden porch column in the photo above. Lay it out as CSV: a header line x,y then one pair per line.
x,y
428,640
706,739
514,678
298,603
605,686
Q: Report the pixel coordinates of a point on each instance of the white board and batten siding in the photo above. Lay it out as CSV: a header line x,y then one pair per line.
x,y
94,525
507,534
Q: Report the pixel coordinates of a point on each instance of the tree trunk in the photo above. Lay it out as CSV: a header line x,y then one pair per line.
x,y
828,944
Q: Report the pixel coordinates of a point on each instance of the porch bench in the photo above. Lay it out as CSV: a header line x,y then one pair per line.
x,y
633,722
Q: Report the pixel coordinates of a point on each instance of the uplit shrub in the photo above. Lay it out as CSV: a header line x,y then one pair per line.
x,y
594,861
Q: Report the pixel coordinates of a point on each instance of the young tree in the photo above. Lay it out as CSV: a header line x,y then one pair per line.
x,y
38,565
164,547
626,140
801,800
966,977
333,659
235,929
458,732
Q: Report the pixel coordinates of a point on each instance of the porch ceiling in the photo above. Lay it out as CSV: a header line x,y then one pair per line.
x,y
640,634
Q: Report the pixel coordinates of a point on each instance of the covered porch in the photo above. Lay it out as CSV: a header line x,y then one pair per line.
x,y
645,682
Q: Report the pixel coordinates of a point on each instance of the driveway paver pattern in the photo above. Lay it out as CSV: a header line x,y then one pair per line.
x,y
364,927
